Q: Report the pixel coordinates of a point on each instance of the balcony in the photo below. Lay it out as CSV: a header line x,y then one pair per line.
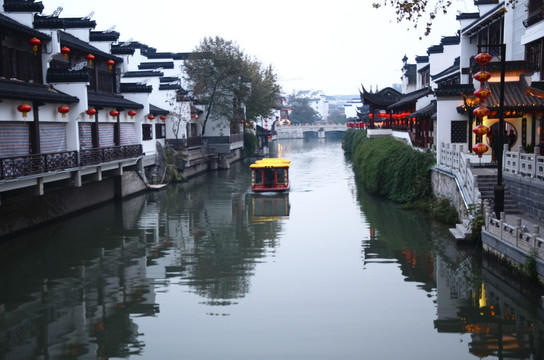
x,y
31,165
19,166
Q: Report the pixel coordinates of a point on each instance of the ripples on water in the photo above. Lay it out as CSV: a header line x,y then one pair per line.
x,y
206,269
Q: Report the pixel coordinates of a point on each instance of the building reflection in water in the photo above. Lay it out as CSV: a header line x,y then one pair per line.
x,y
501,319
75,294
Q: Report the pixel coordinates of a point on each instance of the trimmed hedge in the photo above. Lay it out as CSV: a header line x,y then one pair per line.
x,y
390,168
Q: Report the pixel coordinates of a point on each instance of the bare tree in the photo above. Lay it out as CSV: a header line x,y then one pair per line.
x,y
414,10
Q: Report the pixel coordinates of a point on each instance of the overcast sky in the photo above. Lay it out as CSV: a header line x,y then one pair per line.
x,y
334,46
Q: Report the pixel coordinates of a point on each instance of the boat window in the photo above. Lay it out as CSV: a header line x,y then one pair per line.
x,y
268,177
281,176
258,176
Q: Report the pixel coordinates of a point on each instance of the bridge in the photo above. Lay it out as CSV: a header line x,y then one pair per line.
x,y
314,131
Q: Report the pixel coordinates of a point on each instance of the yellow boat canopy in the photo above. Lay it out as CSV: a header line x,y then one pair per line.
x,y
270,163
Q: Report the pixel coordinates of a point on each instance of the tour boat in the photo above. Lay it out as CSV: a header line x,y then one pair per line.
x,y
270,174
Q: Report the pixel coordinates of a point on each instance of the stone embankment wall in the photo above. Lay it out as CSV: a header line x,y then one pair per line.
x,y
24,211
528,194
445,186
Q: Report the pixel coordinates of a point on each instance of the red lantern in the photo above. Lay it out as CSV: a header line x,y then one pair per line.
x,y
131,113
90,112
480,130
164,118
63,109
482,93
90,58
24,108
482,59
151,117
482,76
110,64
481,111
480,149
114,113
35,42
65,51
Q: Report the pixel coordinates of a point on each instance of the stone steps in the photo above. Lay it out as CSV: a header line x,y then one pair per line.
x,y
461,232
486,186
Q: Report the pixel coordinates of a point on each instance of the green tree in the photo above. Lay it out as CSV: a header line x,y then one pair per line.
x,y
263,98
223,78
301,111
414,10
336,116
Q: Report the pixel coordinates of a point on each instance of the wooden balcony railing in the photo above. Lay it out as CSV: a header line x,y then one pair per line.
x,y
19,166
100,155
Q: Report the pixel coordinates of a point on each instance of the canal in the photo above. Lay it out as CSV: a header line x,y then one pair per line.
x,y
206,270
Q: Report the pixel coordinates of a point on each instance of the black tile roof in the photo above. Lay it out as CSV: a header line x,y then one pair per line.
x,y
465,16
122,50
435,49
135,88
104,36
517,65
23,6
133,74
422,59
157,110
55,75
517,96
384,97
485,19
166,79
453,90
156,65
7,23
450,40
168,55
169,86
18,90
425,112
455,68
410,98
75,43
53,22
99,100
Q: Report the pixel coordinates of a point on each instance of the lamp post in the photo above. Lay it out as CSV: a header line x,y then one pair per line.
x,y
499,187
482,93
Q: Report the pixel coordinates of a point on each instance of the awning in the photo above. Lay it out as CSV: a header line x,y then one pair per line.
x,y
157,110
517,96
18,90
427,111
99,100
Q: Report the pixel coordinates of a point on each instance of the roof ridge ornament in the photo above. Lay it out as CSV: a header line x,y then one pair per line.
x,y
127,43
56,13
88,17
78,67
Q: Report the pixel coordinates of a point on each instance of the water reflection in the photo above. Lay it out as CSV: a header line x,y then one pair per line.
x,y
500,319
95,286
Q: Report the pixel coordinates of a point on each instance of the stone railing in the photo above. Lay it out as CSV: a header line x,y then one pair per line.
x,y
521,163
461,164
516,235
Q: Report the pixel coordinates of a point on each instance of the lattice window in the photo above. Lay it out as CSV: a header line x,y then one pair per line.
x,y
458,132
